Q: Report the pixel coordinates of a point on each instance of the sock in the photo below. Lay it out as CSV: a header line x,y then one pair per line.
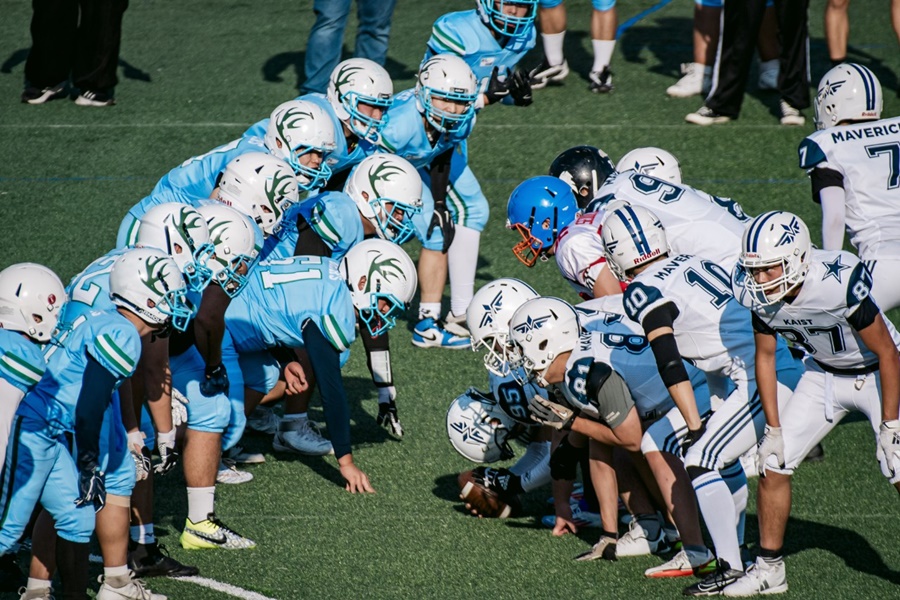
x,y
770,557
603,51
430,310
462,260
143,534
717,507
553,47
294,416
651,525
37,584
201,502
535,453
72,563
115,571
736,480
768,65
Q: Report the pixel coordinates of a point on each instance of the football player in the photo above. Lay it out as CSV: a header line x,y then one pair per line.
x,y
358,96
538,210
685,306
820,300
313,304
428,126
86,362
652,161
492,39
584,168
852,163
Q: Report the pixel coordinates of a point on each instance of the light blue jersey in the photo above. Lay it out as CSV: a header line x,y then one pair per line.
x,y
334,216
292,291
405,134
107,337
89,290
21,361
342,157
465,35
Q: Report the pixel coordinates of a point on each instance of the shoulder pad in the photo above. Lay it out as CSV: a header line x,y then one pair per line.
x,y
859,285
638,297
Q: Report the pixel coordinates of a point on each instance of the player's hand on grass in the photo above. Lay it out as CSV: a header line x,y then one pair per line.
x,y
357,481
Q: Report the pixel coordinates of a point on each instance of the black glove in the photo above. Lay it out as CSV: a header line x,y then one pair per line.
x,y
443,220
387,417
91,486
691,437
519,85
168,456
216,381
496,89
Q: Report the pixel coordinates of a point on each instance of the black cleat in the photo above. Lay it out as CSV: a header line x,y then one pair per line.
x,y
601,81
153,560
816,455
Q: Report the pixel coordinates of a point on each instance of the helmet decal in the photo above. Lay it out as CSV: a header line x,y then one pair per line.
x,y
344,76
157,276
276,189
291,117
531,324
389,268
491,309
382,172
790,232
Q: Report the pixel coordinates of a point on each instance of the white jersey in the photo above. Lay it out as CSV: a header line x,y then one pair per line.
x,y
579,253
825,317
513,396
867,156
712,329
606,309
696,224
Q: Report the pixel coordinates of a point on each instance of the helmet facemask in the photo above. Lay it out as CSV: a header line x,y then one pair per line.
x,y
793,272
309,178
393,219
365,127
504,24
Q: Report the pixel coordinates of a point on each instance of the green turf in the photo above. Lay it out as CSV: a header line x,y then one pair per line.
x,y
195,72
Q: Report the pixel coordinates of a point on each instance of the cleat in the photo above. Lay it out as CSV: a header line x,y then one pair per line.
x,y
714,583
238,455
263,420
706,116
768,75
33,95
153,560
301,436
212,533
387,417
36,594
790,116
92,98
761,578
601,81
229,474
546,73
125,587
636,543
816,455
696,80
457,325
432,333
684,564
580,516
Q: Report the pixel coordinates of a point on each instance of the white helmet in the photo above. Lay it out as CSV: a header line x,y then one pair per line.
x,y
30,298
148,283
478,427
360,81
379,270
771,239
179,231
543,329
447,77
388,191
488,318
238,242
261,186
295,128
632,236
652,161
848,92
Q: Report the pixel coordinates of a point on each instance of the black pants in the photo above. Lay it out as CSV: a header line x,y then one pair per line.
x,y
740,30
77,38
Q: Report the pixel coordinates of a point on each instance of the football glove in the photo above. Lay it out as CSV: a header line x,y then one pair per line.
x,y
168,454
387,417
771,444
503,481
550,413
889,440
216,381
690,438
443,220
605,549
179,408
497,89
91,487
519,85
142,464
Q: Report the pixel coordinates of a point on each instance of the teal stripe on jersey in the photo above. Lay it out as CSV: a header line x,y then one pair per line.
x,y
119,359
334,333
326,230
462,212
24,371
447,40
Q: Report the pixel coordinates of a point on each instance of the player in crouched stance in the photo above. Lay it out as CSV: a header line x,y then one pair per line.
x,y
820,300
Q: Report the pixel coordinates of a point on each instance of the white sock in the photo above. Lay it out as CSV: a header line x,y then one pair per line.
x,y
603,51
116,571
37,584
736,480
535,453
462,261
717,507
768,65
294,416
201,502
430,310
553,47
537,476
143,534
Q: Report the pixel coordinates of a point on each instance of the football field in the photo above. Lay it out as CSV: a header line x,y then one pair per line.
x,y
195,73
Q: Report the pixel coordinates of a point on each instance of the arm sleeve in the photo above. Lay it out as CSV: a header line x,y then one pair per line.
x,y
440,176
326,366
661,316
760,327
832,201
97,386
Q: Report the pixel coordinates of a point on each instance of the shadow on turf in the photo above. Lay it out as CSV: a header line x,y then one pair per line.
x,y
129,71
276,65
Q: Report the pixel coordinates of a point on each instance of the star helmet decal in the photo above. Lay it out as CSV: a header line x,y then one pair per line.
x,y
491,309
386,268
789,232
155,275
277,189
531,324
382,172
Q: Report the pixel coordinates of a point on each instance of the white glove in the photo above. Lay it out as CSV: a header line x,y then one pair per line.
x,y
772,444
179,408
140,454
889,440
165,443
550,413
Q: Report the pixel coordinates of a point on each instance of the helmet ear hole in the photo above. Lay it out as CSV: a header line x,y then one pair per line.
x,y
542,345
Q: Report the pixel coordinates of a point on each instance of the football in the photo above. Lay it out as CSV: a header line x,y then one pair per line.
x,y
483,501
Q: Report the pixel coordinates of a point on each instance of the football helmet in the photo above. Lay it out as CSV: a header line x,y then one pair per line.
x,y
848,92
478,428
446,77
148,283
360,81
584,168
771,239
488,317
542,329
539,208
632,236
298,127
652,161
261,186
378,270
493,15
179,231
238,242
387,190
30,298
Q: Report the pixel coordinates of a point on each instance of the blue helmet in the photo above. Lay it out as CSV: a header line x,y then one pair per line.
x,y
539,208
493,15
